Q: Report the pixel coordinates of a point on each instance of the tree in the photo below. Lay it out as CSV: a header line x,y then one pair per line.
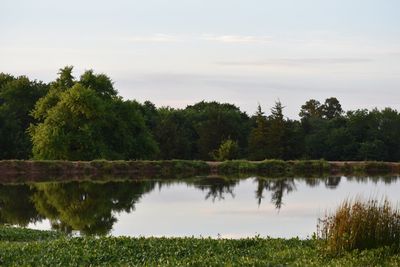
x,y
174,134
258,137
331,108
213,123
312,108
100,83
17,98
81,123
65,78
276,132
72,128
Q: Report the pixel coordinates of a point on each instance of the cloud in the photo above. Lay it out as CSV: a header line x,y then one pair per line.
x,y
296,61
155,38
237,38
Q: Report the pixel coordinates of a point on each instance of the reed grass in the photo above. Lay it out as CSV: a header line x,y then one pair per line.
x,y
361,225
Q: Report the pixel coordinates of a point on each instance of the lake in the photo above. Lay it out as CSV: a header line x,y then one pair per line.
x,y
203,206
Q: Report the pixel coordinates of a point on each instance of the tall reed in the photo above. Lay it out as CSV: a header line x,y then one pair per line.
x,y
361,224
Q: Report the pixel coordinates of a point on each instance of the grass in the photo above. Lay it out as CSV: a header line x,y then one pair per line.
x,y
361,225
275,168
57,170
369,167
53,249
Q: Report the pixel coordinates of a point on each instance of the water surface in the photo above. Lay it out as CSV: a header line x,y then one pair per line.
x,y
205,207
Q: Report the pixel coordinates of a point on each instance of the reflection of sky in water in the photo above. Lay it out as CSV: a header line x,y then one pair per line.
x,y
182,210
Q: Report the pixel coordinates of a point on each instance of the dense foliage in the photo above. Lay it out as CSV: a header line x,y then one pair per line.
x,y
123,251
85,119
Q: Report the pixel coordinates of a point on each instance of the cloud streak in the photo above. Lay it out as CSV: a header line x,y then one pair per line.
x,y
237,38
160,38
155,38
296,62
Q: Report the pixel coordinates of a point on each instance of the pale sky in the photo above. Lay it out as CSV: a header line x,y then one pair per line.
x,y
245,52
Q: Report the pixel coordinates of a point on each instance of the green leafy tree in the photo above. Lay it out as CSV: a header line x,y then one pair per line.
x,y
312,108
100,83
174,134
17,98
65,79
88,122
331,108
213,123
72,128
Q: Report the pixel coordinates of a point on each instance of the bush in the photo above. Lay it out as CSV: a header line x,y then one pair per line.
x,y
310,166
274,167
361,225
228,150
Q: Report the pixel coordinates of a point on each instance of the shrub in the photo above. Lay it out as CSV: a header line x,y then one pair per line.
x,y
310,166
228,150
377,167
273,167
361,225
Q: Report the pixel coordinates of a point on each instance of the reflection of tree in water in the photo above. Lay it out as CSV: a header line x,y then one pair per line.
x,y
312,182
16,206
278,187
332,182
216,187
387,179
86,206
89,207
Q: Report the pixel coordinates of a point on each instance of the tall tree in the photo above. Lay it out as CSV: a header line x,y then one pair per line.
x,y
174,134
17,98
215,122
276,132
331,108
258,137
311,109
82,123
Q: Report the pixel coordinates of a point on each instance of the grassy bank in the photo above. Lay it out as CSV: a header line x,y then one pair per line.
x,y
20,247
274,167
22,171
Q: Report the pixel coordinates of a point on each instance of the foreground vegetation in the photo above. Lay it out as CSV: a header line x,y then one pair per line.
x,y
33,250
359,233
361,225
84,118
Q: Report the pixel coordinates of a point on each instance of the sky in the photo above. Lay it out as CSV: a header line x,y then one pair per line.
x,y
246,52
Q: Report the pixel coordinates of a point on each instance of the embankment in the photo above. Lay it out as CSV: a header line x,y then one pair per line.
x,y
54,170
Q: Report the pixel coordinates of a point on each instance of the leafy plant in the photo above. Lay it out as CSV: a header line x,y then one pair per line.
x,y
228,150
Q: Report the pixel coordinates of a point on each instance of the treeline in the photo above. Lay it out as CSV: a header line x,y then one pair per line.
x,y
84,119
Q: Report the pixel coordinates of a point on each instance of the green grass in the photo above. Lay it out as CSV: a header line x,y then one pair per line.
x,y
24,235
51,249
275,168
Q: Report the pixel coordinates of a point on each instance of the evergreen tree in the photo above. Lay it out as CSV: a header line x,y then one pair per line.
x,y
258,137
276,132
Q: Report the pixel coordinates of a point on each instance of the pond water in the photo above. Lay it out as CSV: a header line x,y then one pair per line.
x,y
211,206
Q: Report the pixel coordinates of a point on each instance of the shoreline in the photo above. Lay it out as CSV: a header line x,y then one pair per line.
x,y
55,170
